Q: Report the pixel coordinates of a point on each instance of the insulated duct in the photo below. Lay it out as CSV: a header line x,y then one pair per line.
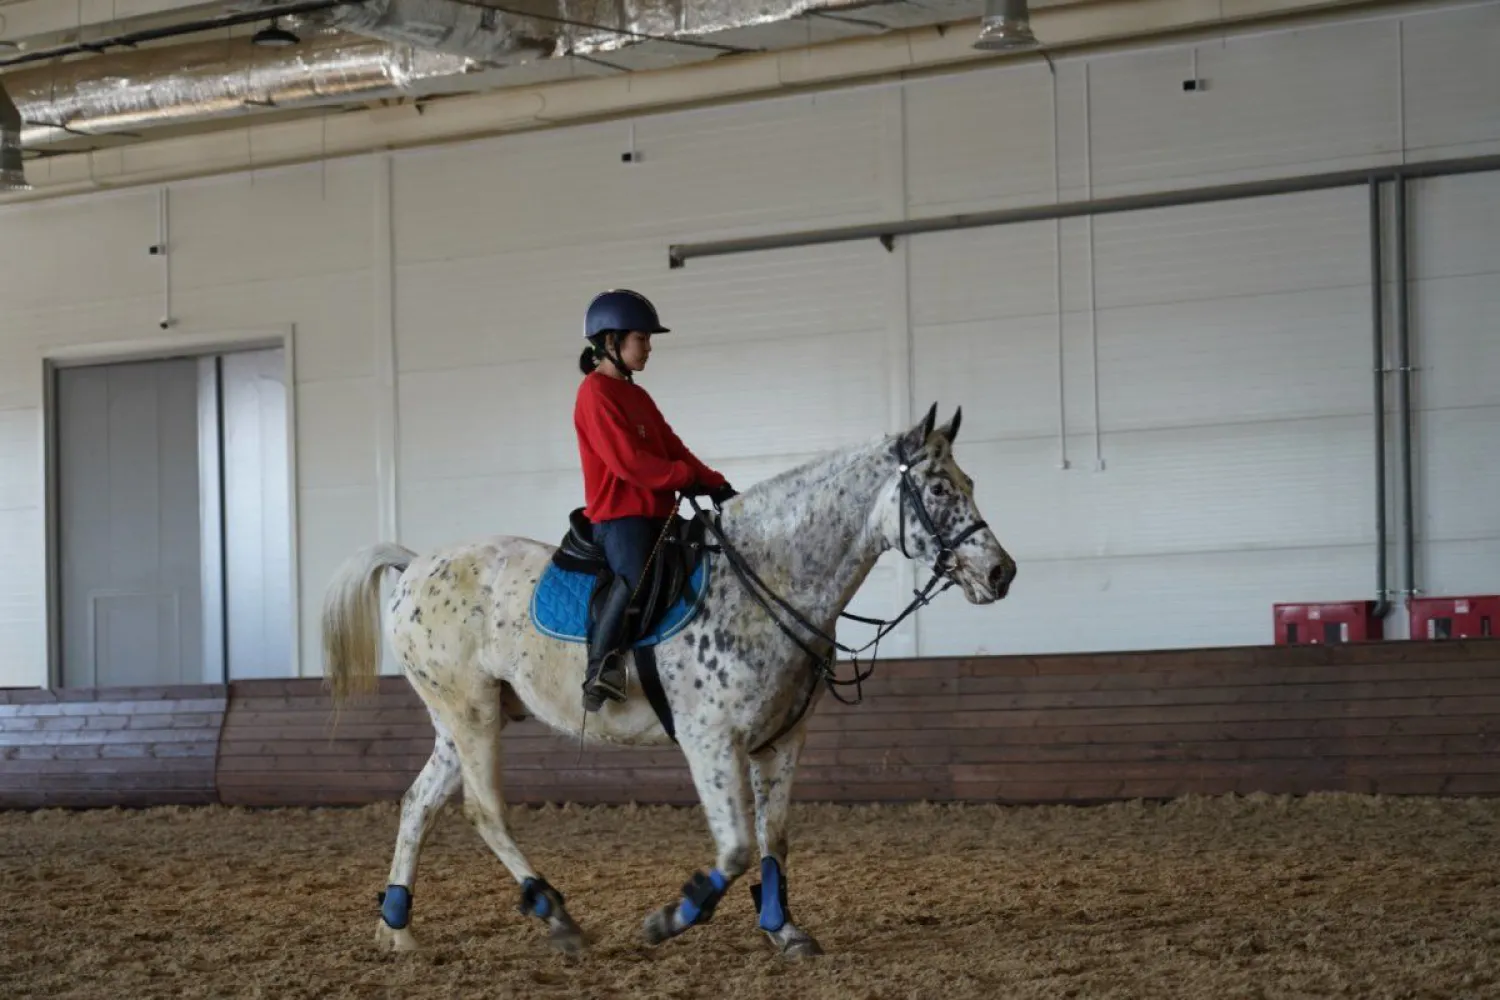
x,y
123,92
465,29
12,169
574,27
358,51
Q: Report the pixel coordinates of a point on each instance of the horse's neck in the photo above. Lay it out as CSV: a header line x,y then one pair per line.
x,y
810,535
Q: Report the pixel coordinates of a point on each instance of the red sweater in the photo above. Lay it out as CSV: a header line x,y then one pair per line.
x,y
633,464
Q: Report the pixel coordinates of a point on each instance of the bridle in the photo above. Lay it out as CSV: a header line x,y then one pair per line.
x,y
947,550
943,569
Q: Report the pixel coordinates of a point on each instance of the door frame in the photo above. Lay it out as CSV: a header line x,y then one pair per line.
x,y
159,348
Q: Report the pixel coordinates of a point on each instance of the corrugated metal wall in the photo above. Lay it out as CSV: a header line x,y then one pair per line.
x,y
1215,358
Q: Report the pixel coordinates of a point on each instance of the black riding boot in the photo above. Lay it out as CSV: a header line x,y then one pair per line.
x,y
606,671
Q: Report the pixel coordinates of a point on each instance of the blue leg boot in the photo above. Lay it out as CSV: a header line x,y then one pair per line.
x,y
538,899
775,916
699,897
394,929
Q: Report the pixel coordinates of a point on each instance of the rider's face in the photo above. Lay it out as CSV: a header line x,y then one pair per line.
x,y
635,350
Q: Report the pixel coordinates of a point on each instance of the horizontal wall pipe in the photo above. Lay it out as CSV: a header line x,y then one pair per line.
x,y
679,253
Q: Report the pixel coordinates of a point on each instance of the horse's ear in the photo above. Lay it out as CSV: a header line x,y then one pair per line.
x,y
950,429
915,439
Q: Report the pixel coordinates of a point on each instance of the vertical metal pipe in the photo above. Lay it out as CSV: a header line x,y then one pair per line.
x,y
1403,386
1377,302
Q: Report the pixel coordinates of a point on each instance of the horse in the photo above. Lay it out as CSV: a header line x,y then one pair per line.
x,y
740,678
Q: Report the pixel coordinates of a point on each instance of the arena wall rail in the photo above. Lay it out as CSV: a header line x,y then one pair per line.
x,y
1394,717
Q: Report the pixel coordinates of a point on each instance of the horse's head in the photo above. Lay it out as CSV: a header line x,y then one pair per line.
x,y
931,516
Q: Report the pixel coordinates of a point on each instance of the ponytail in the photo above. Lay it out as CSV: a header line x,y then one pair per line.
x,y
588,361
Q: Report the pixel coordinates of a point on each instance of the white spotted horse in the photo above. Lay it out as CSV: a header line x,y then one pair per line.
x,y
736,662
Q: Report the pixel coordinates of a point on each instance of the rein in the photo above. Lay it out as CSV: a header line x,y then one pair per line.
x,y
824,663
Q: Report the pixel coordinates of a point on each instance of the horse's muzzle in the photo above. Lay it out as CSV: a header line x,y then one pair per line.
x,y
1000,578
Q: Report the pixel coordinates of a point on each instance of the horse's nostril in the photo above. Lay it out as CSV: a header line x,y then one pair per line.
x,y
999,577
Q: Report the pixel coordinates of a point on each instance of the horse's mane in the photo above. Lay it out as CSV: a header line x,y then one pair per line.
x,y
824,466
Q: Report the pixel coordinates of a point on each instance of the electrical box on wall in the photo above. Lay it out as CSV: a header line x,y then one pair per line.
x,y
1454,617
1322,624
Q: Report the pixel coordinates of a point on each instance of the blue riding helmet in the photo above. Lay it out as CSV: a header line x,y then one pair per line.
x,y
621,310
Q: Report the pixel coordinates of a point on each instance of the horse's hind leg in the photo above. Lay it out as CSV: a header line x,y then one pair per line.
x,y
772,771
419,808
721,776
478,741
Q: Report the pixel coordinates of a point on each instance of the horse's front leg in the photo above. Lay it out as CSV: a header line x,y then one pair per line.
x,y
721,777
772,771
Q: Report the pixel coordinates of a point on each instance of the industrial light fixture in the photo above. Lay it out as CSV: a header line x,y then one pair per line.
x,y
1006,26
274,36
12,168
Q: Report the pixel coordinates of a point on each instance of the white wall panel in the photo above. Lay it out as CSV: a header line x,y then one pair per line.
x,y
332,314
709,172
448,511
1321,97
1201,599
1466,567
488,420
1229,342
528,306
772,397
1230,249
1002,121
23,608
1215,489
336,433
1263,357
95,249
1454,302
332,524
1003,372
1450,80
971,274
20,430
1454,221
1456,337
1458,478
286,223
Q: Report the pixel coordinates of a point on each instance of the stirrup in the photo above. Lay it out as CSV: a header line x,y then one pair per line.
x,y
607,682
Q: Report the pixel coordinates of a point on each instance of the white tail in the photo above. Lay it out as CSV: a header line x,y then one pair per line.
x,y
351,618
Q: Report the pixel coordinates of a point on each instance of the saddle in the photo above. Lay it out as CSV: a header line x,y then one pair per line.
x,y
668,578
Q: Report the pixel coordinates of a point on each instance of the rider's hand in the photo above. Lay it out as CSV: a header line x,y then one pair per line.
x,y
721,495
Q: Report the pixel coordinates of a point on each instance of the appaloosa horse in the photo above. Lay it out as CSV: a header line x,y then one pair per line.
x,y
739,678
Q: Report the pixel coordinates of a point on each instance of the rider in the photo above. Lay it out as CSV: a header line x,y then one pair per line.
x,y
633,468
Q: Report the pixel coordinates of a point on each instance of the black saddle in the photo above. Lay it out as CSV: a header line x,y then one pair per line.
x,y
667,574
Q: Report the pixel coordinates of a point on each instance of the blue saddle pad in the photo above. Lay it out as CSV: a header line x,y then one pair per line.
x,y
560,604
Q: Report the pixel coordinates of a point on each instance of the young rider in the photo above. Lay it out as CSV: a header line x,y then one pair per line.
x,y
633,468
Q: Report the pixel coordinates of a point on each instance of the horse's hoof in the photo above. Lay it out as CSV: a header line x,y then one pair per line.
x,y
794,942
567,940
390,939
658,925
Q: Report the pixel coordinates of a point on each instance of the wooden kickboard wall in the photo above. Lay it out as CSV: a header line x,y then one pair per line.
x,y
1408,718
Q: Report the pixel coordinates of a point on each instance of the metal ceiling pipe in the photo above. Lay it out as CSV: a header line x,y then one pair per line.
x,y
122,92
12,169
